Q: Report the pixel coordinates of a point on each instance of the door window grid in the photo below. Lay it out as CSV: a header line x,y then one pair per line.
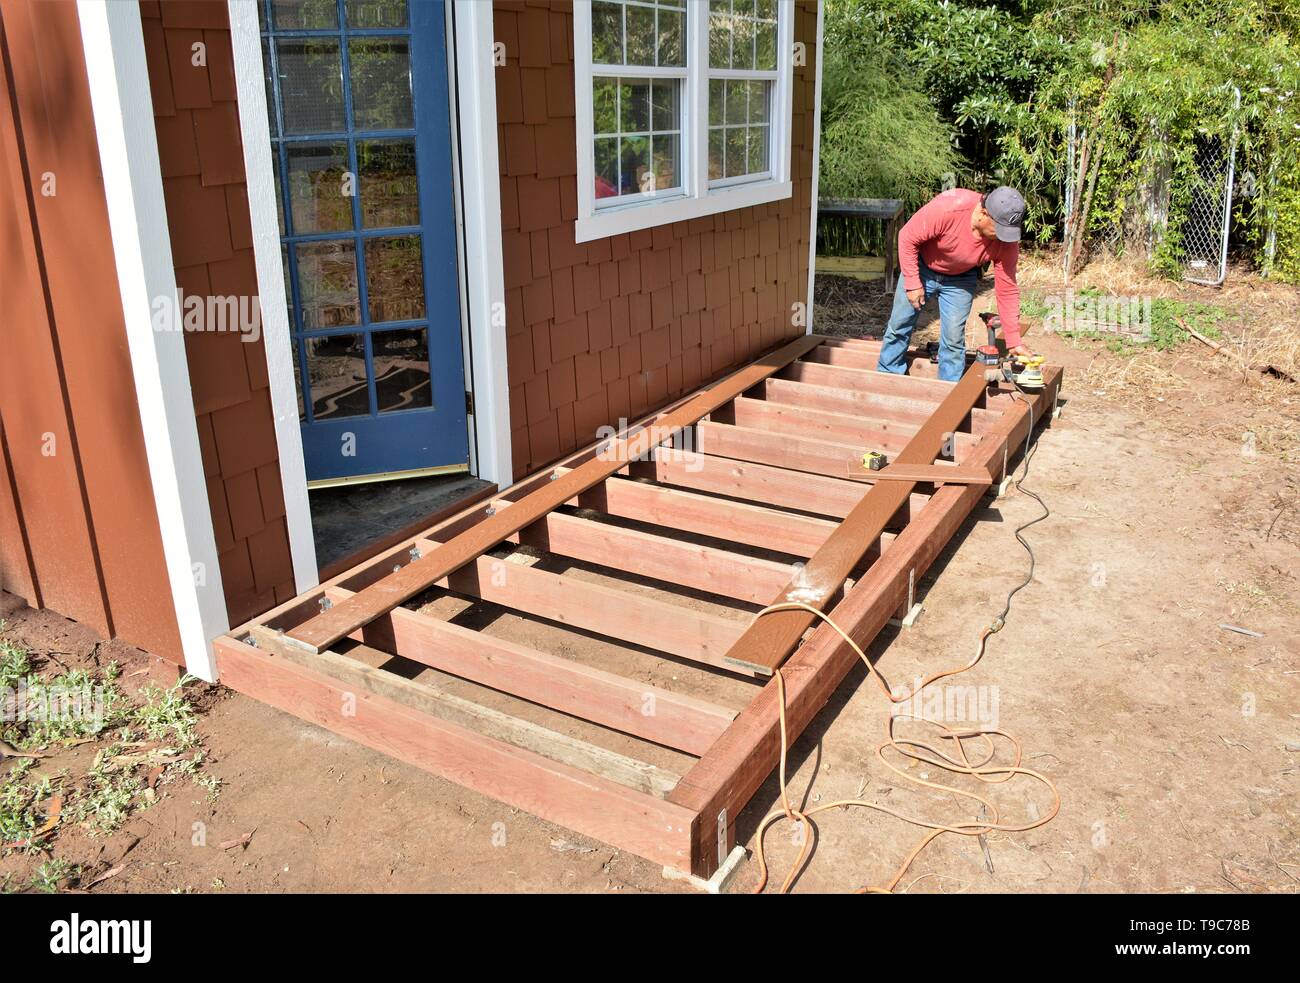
x,y
356,276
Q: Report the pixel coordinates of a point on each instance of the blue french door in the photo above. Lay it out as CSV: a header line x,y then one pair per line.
x,y
357,96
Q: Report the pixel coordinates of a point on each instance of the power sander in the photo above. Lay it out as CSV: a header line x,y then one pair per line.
x,y
1026,372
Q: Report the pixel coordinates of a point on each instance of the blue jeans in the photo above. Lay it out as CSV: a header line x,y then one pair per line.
x,y
956,295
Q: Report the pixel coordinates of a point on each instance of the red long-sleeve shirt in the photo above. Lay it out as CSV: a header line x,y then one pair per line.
x,y
940,234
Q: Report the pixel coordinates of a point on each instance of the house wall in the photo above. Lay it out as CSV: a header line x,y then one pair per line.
x,y
197,121
78,529
614,328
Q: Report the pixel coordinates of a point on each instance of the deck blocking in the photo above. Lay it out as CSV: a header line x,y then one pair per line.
x,y
767,501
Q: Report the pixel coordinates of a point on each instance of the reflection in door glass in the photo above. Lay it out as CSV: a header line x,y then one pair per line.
x,y
336,370
303,15
327,284
381,83
318,184
376,13
401,361
395,278
390,194
311,85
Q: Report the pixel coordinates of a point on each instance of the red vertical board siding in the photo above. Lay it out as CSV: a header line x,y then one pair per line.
x,y
92,541
614,328
197,121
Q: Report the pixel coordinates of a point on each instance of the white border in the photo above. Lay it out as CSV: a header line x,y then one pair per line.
x,y
699,198
818,50
246,44
480,193
113,39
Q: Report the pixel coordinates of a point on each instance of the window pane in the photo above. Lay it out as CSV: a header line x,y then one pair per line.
x,y
717,102
336,371
401,362
297,15
766,47
640,35
607,33
742,43
667,161
390,191
736,152
672,29
381,83
319,182
311,85
634,155
717,153
327,284
736,102
395,278
664,105
605,105
607,167
376,13
634,105
757,152
758,102
719,39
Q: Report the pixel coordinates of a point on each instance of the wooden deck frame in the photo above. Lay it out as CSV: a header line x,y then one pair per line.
x,y
332,655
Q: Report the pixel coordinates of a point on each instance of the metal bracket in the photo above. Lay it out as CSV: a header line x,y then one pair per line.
x,y
325,604
415,553
722,837
912,611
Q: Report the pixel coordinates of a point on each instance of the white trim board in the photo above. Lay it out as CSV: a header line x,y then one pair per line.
x,y
818,51
113,40
246,44
480,191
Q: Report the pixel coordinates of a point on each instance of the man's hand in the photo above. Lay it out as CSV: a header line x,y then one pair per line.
x,y
916,298
1022,350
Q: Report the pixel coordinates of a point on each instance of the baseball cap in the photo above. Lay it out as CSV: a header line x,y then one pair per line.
x,y
1007,207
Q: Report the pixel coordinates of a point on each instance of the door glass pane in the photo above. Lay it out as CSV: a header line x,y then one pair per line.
x,y
297,378
395,278
390,192
311,85
297,15
401,361
376,13
381,83
336,370
327,284
319,182
270,94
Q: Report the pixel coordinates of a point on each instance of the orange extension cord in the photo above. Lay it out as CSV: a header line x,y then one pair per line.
x,y
917,750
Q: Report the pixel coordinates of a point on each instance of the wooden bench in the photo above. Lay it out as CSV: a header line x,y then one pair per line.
x,y
886,210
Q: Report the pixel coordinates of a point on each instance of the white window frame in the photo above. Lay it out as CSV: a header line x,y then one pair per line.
x,y
698,196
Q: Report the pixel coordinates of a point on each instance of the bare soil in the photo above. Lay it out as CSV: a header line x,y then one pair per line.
x,y
1172,740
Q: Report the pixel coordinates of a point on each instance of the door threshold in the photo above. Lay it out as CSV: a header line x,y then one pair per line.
x,y
366,479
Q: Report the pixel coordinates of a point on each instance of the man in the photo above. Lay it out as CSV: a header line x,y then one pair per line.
x,y
941,250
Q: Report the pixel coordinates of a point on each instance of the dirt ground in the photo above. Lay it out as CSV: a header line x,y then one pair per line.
x,y
1173,481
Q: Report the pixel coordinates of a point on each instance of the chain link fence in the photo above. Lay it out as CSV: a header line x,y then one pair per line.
x,y
1201,220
